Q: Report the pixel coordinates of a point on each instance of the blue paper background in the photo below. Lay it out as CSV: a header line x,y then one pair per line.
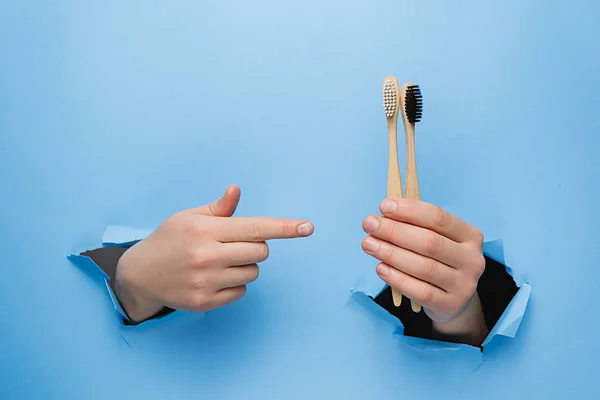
x,y
122,112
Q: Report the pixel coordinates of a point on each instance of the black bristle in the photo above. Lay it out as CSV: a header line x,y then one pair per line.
x,y
413,104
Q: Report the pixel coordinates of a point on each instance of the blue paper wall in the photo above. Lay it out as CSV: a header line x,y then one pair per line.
x,y
122,112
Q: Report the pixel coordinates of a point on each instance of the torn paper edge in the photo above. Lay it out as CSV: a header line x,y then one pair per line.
x,y
365,305
122,236
496,250
510,320
507,325
113,236
80,261
362,294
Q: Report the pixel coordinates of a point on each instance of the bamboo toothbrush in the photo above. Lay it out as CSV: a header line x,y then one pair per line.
x,y
411,104
391,106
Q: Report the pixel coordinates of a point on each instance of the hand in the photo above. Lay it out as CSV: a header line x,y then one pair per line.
x,y
198,259
433,258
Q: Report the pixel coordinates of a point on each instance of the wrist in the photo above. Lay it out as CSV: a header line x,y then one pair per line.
x,y
137,305
467,327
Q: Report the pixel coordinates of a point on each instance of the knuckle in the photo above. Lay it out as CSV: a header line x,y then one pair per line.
x,y
201,259
478,237
433,244
479,264
253,230
391,228
388,252
399,282
443,219
289,230
410,207
191,227
194,259
199,282
212,208
429,268
427,295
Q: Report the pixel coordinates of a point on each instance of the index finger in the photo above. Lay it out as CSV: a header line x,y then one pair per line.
x,y
430,217
260,229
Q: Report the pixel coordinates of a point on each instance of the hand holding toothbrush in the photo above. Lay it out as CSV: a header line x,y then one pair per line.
x,y
429,255
432,257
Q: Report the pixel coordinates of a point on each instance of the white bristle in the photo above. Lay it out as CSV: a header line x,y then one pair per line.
x,y
389,98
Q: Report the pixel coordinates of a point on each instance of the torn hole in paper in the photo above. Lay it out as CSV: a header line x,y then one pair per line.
x,y
504,297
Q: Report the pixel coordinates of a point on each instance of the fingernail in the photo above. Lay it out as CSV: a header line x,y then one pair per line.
x,y
305,229
383,270
371,224
388,206
371,244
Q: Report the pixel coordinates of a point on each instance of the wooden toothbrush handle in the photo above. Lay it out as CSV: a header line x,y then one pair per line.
x,y
412,182
394,182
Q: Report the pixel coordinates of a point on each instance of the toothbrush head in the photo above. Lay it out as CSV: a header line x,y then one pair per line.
x,y
413,103
391,98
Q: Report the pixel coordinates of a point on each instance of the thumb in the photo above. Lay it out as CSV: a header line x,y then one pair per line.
x,y
223,207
